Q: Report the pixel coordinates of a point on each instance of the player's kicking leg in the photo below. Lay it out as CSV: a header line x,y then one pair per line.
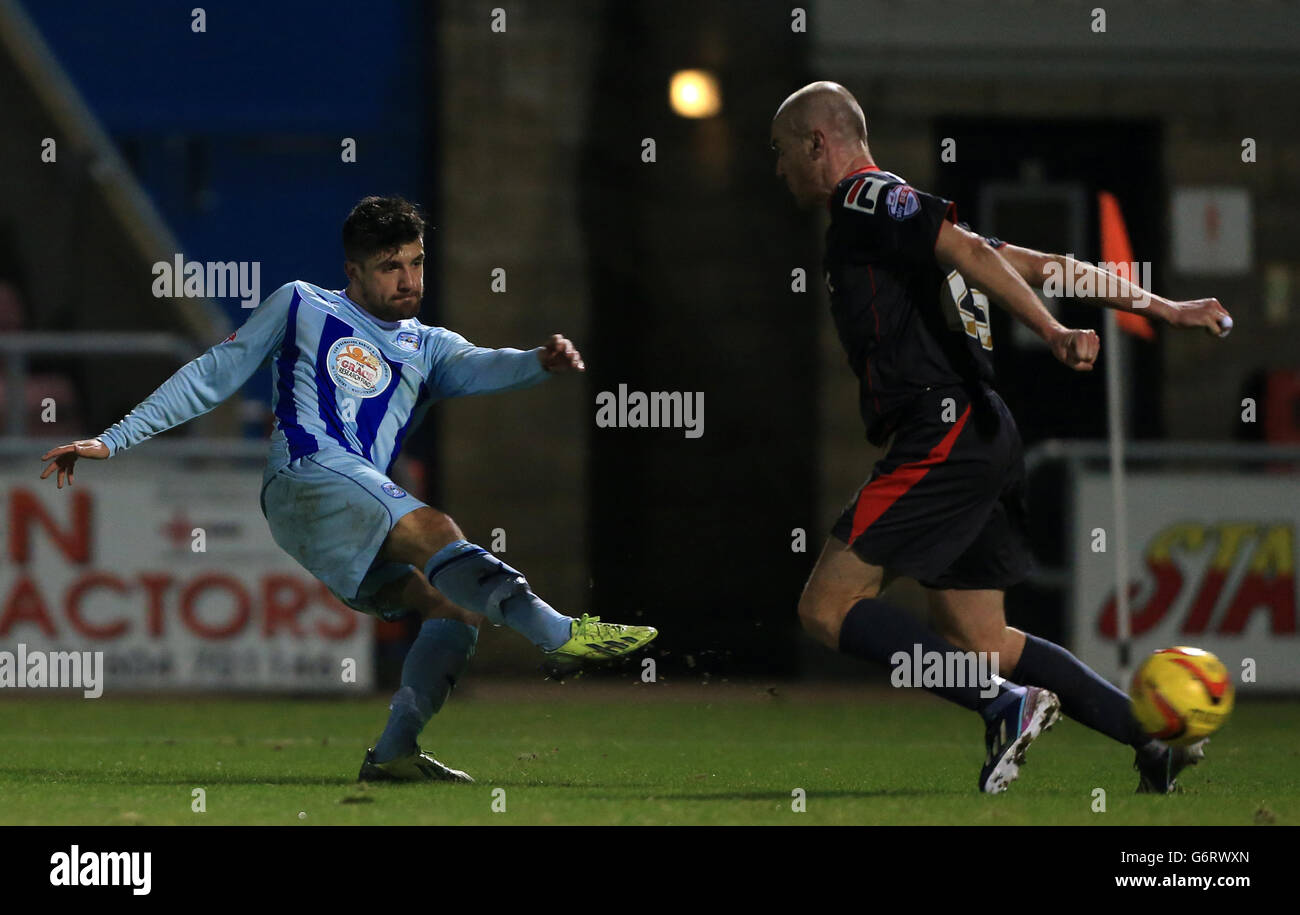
x,y
976,621
475,580
841,608
383,552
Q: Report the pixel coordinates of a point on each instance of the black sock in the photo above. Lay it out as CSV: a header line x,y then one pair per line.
x,y
875,630
1085,696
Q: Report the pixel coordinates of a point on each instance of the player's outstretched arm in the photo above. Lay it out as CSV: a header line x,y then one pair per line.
x,y
204,382
461,369
1037,268
65,456
984,267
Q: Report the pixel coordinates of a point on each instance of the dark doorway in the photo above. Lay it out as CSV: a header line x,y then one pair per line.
x,y
1035,183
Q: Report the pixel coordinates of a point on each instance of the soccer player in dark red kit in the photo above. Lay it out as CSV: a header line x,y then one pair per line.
x,y
946,504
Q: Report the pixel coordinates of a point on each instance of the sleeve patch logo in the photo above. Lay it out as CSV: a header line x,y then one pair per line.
x,y
901,201
394,490
358,367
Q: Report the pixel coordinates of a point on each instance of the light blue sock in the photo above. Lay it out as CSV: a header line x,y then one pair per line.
x,y
433,664
472,578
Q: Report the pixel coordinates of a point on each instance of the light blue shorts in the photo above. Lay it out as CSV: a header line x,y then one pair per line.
x,y
331,511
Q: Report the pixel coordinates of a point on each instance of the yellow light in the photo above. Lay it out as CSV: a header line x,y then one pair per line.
x,y
695,94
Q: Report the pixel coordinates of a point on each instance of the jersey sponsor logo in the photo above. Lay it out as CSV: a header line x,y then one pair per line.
x,y
902,201
358,367
408,340
394,490
231,337
966,309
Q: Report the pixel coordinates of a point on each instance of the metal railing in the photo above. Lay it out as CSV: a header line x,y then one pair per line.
x,y
188,449
16,350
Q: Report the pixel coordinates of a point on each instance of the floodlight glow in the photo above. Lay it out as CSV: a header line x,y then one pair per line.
x,y
695,94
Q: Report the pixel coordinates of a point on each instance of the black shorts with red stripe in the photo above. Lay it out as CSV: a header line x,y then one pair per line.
x,y
946,504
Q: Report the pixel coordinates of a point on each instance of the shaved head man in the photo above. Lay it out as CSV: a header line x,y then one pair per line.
x,y
819,134
910,291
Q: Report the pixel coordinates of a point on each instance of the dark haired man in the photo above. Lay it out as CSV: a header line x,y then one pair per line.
x,y
353,370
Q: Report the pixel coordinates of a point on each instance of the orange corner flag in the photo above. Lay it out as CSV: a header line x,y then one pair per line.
x,y
1115,249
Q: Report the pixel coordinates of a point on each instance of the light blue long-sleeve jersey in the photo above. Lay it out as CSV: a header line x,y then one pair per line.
x,y
342,378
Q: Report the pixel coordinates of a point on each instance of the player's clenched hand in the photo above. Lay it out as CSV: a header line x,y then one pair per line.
x,y
1207,313
1076,348
560,355
66,455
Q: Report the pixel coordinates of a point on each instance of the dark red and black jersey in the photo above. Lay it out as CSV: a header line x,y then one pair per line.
x,y
907,322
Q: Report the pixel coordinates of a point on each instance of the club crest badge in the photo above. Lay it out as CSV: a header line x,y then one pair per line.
x,y
358,367
902,201
407,340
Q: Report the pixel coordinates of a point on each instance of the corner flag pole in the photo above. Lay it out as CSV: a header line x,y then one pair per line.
x,y
1115,249
1119,540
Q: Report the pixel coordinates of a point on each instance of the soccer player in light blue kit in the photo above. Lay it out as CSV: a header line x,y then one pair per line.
x,y
353,371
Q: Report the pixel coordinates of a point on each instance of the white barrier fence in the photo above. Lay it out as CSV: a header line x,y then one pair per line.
x,y
1212,565
1212,556
170,570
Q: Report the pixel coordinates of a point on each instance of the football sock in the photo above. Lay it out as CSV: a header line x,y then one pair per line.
x,y
433,664
474,579
1085,696
875,630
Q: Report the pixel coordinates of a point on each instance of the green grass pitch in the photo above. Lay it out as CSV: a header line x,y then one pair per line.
x,y
605,752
